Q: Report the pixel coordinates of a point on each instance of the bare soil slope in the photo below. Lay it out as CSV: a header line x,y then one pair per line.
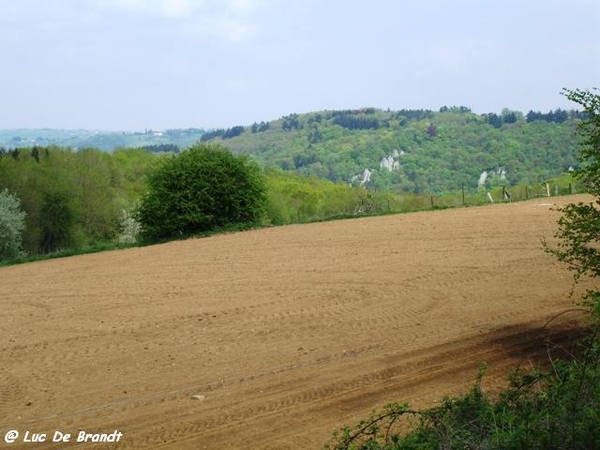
x,y
286,333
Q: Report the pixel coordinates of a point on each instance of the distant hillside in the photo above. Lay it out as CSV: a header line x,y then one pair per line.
x,y
414,150
104,140
407,150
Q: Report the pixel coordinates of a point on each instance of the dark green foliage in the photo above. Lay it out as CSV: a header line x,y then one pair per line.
x,y
459,109
259,127
509,117
233,132
356,122
35,154
56,222
557,116
493,119
161,148
223,133
212,134
414,114
539,410
314,135
291,122
203,188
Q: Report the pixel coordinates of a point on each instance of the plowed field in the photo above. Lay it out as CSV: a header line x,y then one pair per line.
x,y
284,334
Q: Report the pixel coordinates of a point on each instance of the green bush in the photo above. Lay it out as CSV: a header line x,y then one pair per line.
x,y
202,189
558,409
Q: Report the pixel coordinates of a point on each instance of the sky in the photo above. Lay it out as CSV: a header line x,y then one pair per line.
x,y
131,65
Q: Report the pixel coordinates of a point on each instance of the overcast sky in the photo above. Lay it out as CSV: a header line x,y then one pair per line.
x,y
136,64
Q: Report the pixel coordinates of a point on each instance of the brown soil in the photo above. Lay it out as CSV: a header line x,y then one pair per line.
x,y
288,333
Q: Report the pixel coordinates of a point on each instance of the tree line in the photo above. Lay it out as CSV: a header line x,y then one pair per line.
x,y
71,199
224,133
55,199
556,116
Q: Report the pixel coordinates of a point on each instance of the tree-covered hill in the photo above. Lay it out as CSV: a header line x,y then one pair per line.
x,y
406,150
414,150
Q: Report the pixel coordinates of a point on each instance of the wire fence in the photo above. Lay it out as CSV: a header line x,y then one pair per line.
x,y
377,203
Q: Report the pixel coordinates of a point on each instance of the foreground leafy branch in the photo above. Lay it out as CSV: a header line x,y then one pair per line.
x,y
554,409
579,226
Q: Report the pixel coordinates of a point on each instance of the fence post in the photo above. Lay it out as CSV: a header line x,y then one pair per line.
x,y
526,193
463,193
431,199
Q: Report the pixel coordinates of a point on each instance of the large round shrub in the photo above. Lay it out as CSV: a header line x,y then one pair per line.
x,y
201,189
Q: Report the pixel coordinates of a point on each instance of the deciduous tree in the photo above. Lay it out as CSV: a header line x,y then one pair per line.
x,y
203,188
12,224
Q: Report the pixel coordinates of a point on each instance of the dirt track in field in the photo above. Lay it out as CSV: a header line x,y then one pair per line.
x,y
287,332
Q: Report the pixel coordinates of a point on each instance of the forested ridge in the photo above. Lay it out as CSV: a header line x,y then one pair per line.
x,y
414,150
420,151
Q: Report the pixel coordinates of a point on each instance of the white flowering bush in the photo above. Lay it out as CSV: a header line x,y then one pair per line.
x,y
12,224
129,228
